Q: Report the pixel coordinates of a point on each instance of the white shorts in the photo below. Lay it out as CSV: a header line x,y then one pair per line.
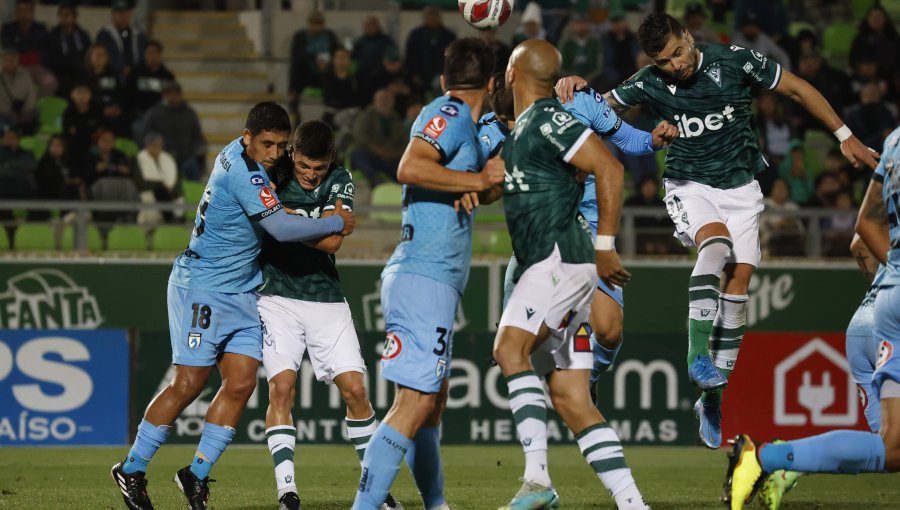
x,y
292,327
568,349
692,205
550,292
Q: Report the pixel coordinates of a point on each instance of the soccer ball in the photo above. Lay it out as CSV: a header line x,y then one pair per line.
x,y
484,14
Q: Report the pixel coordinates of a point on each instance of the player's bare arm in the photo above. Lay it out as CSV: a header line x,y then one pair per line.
x,y
872,222
328,244
867,264
420,166
812,101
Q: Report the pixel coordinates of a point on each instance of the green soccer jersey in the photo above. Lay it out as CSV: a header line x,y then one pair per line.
x,y
296,270
541,195
717,144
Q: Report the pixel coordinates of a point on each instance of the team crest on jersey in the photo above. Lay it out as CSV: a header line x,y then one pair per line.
x,y
885,351
582,341
450,110
435,126
348,189
194,340
257,180
715,74
863,396
672,88
639,85
267,197
598,97
441,369
392,347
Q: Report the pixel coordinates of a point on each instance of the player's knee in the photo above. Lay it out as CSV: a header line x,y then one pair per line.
x,y
281,394
890,434
564,403
187,385
238,387
608,333
355,396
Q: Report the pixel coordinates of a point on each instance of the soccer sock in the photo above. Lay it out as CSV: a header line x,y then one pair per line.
x,y
380,466
359,432
703,293
424,460
838,451
526,400
602,450
603,357
281,439
725,338
213,441
149,438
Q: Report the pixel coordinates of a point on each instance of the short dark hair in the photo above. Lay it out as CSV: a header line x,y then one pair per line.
x,y
468,64
268,116
653,33
313,139
501,99
155,42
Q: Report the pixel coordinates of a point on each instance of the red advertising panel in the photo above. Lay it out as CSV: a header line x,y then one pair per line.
x,y
790,385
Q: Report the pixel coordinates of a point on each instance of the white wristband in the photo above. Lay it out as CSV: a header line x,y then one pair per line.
x,y
605,243
843,133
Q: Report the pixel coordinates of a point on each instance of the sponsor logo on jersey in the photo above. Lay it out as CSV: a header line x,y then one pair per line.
x,y
546,129
194,340
257,180
757,55
568,317
690,127
529,312
582,341
392,347
435,126
885,351
561,118
335,188
748,68
450,110
735,47
348,189
267,197
272,210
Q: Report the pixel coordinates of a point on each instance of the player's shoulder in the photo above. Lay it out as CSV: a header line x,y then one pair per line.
x,y
586,98
234,157
731,54
453,110
445,117
339,175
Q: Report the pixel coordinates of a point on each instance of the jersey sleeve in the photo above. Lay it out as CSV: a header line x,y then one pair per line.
x,y
758,69
490,135
341,189
631,91
444,130
563,134
252,192
589,107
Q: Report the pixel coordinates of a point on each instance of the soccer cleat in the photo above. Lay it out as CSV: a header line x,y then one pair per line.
x,y
390,503
290,501
705,375
745,475
133,487
195,490
533,496
710,417
777,485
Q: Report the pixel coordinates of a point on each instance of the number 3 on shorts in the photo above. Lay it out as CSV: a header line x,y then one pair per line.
x,y
442,342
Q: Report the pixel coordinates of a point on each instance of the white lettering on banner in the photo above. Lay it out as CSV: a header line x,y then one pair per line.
x,y
37,428
469,381
645,376
256,430
77,385
815,398
47,299
768,294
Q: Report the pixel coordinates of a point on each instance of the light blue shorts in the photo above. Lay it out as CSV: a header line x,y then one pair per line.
x,y
203,325
887,334
418,317
862,350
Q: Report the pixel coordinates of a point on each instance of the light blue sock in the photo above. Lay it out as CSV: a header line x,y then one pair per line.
x,y
213,442
838,451
603,357
149,439
380,466
424,460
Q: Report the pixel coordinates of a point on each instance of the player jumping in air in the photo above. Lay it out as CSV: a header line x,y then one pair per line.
x,y
425,277
848,451
711,194
213,318
556,277
303,308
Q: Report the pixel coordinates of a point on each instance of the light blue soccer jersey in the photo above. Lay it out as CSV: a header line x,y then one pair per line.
x,y
436,241
491,133
888,171
222,254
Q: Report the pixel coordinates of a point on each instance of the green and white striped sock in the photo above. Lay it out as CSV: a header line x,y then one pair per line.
x,y
281,439
359,432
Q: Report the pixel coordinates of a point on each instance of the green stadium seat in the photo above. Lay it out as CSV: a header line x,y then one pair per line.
x,y
192,192
4,240
34,144
50,112
94,240
128,147
837,40
477,245
387,194
127,238
795,27
171,238
35,236
499,243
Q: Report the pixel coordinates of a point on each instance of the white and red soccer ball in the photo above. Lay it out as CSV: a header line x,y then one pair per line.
x,y
484,14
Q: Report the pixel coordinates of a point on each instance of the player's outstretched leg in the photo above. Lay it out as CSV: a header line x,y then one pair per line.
x,y
606,339
424,456
703,296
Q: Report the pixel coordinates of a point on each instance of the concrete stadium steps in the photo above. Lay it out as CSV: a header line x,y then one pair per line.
x,y
247,82
231,45
231,67
202,35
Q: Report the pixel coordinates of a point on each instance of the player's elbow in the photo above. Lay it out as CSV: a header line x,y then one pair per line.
x,y
331,244
406,173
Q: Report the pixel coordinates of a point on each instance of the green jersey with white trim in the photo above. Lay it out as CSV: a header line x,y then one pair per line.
x,y
717,144
541,195
297,270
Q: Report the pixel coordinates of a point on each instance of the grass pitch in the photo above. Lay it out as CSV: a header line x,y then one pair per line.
x,y
477,477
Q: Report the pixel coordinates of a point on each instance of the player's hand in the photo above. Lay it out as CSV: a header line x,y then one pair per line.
x,y
664,134
467,201
289,210
347,215
566,87
493,173
858,154
610,269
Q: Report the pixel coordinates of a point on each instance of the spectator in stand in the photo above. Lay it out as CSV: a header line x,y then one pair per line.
x,y
820,13
838,229
17,167
865,71
67,47
108,89
25,35
653,234
180,127
695,22
17,93
774,133
379,138
804,43
871,121
124,42
104,160
826,190
402,96
531,25
145,85
581,50
781,231
500,50
752,36
391,70
311,51
795,170
830,82
56,179
369,51
157,180
340,88
80,121
877,37
425,50
620,52
771,16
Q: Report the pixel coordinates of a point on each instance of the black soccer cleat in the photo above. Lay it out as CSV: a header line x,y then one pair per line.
x,y
290,501
195,490
390,503
133,488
